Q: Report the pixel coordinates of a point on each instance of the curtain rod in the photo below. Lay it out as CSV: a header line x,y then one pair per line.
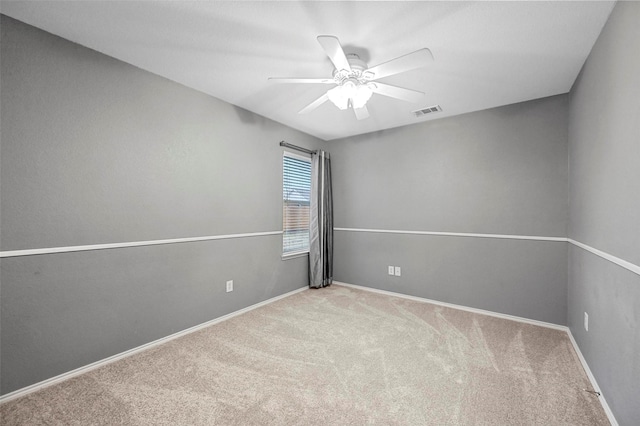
x,y
288,145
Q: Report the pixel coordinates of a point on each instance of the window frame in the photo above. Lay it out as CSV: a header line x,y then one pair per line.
x,y
296,156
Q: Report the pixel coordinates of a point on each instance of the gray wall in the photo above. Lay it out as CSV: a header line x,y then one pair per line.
x,y
499,171
604,182
97,151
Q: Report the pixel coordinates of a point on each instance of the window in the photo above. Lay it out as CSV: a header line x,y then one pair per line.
x,y
296,191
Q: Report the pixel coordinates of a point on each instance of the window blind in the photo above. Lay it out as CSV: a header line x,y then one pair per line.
x,y
296,191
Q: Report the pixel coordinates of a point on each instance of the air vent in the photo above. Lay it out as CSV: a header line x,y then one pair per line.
x,y
428,110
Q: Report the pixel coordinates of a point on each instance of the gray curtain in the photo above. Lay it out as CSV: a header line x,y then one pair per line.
x,y
321,225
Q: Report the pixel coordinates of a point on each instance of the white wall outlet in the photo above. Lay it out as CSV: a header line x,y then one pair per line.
x,y
229,286
390,270
586,321
397,271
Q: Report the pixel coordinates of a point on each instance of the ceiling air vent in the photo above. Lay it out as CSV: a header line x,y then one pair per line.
x,y
428,110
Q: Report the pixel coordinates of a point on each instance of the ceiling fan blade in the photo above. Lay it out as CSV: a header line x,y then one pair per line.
x,y
302,80
396,92
419,58
333,49
315,104
361,113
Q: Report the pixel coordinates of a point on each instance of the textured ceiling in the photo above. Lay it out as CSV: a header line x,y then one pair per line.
x,y
487,54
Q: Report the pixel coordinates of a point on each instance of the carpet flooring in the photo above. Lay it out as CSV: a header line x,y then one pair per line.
x,y
334,356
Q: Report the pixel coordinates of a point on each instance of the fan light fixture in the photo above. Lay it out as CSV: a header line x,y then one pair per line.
x,y
356,82
350,93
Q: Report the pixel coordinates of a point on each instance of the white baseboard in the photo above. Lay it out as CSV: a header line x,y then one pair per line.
x,y
566,329
78,371
460,307
592,379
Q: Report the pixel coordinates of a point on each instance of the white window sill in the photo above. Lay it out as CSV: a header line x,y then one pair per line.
x,y
294,255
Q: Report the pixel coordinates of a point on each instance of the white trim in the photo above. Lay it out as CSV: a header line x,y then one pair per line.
x,y
611,258
50,250
455,234
85,369
566,329
593,381
295,255
459,307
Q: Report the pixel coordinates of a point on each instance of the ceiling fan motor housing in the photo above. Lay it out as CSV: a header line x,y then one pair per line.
x,y
355,62
358,71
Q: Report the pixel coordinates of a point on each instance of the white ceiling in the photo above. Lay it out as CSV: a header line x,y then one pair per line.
x,y
487,54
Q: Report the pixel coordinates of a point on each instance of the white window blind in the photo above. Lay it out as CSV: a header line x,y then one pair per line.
x,y
296,191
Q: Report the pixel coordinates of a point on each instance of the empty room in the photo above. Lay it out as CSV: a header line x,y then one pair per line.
x,y
320,213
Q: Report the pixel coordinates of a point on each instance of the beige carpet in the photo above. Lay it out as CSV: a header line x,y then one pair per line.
x,y
334,356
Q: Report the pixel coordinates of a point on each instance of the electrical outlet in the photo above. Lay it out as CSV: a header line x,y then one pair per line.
x,y
229,286
586,321
397,271
390,270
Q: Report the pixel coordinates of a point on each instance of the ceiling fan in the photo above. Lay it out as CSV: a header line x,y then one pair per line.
x,y
356,83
